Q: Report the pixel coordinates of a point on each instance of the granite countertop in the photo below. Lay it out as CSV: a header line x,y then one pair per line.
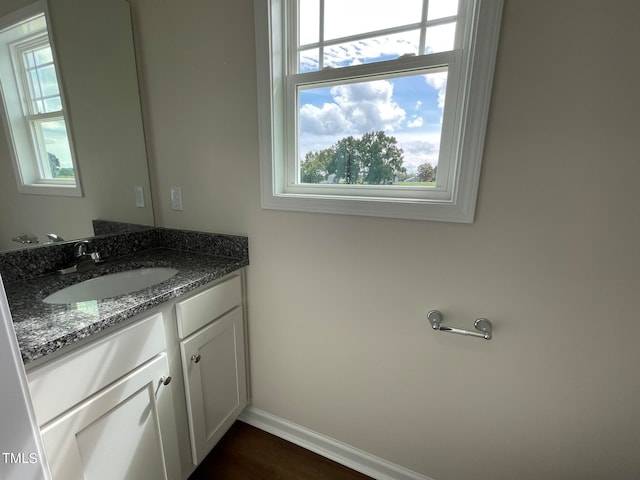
x,y
43,328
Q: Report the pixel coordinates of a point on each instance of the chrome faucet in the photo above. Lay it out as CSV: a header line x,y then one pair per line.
x,y
53,238
82,254
80,249
84,261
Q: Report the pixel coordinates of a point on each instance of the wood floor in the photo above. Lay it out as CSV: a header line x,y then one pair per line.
x,y
248,453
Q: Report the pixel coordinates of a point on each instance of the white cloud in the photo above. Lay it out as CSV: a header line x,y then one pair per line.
x,y
417,152
328,120
440,38
421,147
358,16
439,82
358,108
416,122
369,106
365,51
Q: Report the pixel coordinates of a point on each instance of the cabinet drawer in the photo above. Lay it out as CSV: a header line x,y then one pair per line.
x,y
62,383
199,310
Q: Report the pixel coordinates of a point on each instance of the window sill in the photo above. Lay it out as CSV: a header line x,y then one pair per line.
x,y
459,211
54,190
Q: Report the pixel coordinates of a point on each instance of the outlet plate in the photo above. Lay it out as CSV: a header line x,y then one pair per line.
x,y
176,198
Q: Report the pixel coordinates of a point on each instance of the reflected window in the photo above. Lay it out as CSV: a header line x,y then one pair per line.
x,y
34,110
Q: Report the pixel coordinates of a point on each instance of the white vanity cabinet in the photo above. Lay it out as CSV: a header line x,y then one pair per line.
x,y
212,348
115,434
105,410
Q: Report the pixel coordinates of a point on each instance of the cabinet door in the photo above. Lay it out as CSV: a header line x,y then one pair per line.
x,y
213,360
114,434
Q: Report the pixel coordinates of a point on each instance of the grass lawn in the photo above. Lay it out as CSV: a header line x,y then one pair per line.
x,y
416,184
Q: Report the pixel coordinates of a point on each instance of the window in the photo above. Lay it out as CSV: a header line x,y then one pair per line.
x,y
34,114
370,109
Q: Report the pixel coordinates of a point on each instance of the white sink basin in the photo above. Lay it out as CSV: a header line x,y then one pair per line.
x,y
111,285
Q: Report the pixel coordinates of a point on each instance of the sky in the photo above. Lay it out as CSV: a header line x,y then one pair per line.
x,y
44,85
57,142
408,108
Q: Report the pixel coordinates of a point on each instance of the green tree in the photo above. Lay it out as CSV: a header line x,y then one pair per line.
x,y
313,169
346,161
54,164
381,158
427,172
374,159
66,172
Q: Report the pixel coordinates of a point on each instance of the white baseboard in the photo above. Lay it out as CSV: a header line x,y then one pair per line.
x,y
342,453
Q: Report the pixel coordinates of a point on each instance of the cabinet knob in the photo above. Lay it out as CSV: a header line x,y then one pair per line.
x,y
195,358
165,380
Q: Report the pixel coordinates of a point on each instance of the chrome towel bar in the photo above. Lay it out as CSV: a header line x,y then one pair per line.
x,y
483,326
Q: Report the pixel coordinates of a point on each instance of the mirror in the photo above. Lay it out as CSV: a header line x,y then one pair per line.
x,y
93,41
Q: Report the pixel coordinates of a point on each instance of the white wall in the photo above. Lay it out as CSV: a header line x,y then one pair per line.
x,y
339,339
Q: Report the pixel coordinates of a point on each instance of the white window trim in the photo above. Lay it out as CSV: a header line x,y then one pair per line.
x,y
461,201
21,149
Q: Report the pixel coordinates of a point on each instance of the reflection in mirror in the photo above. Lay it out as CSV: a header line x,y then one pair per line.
x,y
34,111
93,45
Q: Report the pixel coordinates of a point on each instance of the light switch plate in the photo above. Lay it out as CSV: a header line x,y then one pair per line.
x,y
139,196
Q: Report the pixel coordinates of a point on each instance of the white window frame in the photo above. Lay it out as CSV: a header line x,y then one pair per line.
x,y
454,197
17,117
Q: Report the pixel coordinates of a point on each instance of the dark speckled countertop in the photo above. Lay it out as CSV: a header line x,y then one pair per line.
x,y
43,328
